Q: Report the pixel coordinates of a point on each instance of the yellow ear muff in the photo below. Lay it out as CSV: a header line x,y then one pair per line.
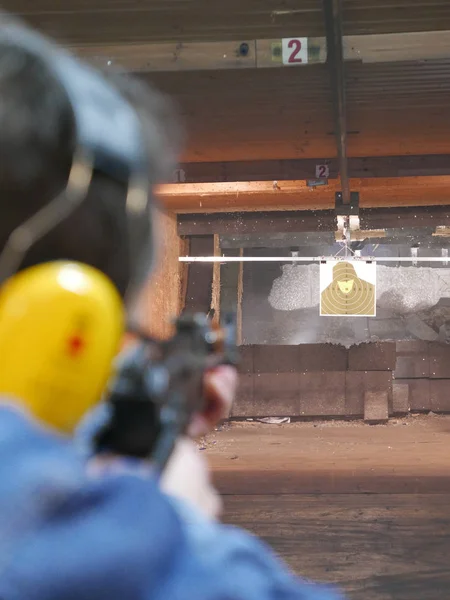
x,y
60,328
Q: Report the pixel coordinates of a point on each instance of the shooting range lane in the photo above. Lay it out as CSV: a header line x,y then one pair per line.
x,y
360,506
272,135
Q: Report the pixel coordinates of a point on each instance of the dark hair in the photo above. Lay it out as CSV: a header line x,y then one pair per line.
x,y
36,148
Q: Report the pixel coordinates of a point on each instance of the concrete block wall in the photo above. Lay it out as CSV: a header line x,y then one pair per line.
x,y
315,380
324,380
423,368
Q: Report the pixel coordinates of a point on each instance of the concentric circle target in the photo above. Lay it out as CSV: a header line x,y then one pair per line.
x,y
347,294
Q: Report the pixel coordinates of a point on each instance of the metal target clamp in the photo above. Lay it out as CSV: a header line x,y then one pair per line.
x,y
347,217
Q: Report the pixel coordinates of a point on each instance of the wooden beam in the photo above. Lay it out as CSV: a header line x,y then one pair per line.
x,y
291,222
248,53
310,168
215,293
296,195
423,236
397,47
193,56
256,222
374,48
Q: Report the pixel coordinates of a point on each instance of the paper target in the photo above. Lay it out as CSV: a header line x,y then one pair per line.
x,y
348,288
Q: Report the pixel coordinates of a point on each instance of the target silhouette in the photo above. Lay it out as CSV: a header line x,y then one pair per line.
x,y
348,294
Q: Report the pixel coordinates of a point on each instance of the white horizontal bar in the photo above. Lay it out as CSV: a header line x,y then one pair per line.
x,y
231,259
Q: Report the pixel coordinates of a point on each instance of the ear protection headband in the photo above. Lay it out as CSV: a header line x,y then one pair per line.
x,y
60,323
108,139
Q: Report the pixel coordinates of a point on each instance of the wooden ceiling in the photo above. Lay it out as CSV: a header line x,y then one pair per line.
x,y
125,21
392,108
252,114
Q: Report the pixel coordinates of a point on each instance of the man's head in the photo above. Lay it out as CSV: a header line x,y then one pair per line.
x,y
37,143
344,275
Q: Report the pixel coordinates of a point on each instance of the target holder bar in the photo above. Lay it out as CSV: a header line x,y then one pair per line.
x,y
319,259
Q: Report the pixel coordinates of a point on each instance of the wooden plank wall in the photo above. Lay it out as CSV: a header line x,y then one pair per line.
x,y
393,109
162,297
134,21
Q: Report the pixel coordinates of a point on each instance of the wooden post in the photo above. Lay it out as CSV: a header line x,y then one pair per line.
x,y
240,289
160,302
215,296
184,272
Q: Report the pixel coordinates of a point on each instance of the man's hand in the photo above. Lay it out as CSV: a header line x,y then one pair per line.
x,y
220,386
187,475
187,478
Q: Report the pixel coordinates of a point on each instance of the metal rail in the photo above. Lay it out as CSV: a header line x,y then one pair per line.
x,y
335,60
283,259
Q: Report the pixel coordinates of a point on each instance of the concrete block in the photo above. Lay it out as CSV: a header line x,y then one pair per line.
x,y
406,347
439,361
276,359
400,398
376,408
358,383
378,356
323,357
419,394
267,395
412,367
246,359
245,386
412,360
277,393
244,396
322,394
440,395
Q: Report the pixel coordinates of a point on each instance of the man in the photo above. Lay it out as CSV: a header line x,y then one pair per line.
x,y
107,531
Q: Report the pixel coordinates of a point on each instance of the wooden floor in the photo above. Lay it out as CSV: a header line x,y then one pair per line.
x,y
366,508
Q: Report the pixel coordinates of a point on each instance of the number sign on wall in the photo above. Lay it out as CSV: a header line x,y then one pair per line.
x,y
322,171
294,51
179,176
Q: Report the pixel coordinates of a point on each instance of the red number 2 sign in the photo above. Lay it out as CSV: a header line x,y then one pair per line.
x,y
297,46
295,51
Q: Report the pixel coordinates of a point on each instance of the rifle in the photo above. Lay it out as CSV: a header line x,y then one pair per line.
x,y
159,387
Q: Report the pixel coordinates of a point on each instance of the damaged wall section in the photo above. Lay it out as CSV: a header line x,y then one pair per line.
x,y
281,305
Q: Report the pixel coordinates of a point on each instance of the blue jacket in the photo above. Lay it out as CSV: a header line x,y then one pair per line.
x,y
64,536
